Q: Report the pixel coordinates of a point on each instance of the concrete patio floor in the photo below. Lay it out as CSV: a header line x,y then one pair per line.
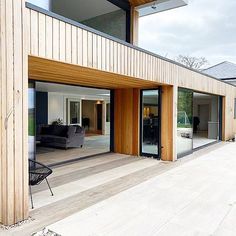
x,y
120,195
197,198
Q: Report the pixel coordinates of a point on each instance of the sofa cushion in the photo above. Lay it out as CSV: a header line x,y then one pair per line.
x,y
60,130
50,139
71,131
47,130
79,129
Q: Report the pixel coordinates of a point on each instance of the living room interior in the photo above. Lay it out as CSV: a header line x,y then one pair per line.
x,y
71,122
205,119
198,121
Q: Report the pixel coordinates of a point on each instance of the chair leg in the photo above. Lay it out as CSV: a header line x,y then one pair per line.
x,y
31,197
49,187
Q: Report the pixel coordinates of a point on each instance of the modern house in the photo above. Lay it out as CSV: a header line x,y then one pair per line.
x,y
76,63
225,71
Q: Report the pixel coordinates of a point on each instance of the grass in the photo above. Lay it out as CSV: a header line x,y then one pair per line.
x,y
31,125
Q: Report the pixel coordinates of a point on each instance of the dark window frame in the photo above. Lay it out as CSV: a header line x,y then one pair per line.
x,y
158,156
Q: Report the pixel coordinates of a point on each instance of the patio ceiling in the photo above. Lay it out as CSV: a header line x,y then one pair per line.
x,y
53,71
148,7
140,2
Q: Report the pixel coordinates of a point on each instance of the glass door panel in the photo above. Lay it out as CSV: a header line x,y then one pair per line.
x,y
74,111
150,122
31,120
185,122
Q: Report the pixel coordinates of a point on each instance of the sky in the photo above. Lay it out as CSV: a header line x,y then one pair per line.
x,y
204,28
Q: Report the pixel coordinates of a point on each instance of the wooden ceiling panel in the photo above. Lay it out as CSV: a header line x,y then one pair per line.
x,y
52,71
136,3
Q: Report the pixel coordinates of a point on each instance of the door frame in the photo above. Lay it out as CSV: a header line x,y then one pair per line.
x,y
159,145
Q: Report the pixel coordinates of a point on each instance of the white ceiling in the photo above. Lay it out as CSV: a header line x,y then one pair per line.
x,y
73,90
81,10
159,6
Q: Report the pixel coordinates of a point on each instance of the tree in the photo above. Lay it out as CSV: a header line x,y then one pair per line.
x,y
192,62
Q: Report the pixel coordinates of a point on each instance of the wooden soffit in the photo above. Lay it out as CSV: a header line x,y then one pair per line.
x,y
53,71
136,3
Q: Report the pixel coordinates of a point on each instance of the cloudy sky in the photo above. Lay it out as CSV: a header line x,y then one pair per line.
x,y
204,28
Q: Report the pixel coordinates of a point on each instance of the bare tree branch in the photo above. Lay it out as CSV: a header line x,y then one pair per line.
x,y
192,62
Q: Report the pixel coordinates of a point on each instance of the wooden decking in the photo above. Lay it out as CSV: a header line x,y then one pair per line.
x,y
81,184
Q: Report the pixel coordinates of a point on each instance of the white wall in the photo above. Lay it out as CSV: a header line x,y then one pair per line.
x,y
213,106
55,107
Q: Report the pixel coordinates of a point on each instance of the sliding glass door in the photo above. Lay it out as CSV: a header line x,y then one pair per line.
x,y
150,123
199,121
185,122
31,120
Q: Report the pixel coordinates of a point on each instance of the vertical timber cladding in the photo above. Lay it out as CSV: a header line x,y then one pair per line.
x,y
126,121
14,112
168,123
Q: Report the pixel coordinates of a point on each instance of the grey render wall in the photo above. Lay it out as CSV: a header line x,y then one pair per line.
x,y
113,23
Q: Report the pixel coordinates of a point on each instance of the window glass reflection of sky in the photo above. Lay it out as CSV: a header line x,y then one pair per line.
x,y
31,95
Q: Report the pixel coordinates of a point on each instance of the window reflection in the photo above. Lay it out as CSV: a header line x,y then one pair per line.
x,y
184,121
150,122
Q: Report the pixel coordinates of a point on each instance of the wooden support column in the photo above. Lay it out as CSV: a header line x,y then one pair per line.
x,y
126,121
134,26
13,112
169,123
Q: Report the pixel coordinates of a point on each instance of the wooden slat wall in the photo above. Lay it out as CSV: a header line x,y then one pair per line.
x,y
94,51
134,26
168,123
14,112
126,123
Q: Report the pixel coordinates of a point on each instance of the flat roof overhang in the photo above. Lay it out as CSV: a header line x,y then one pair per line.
x,y
159,6
41,69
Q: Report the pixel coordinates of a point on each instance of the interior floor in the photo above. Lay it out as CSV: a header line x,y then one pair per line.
x,y
150,148
94,144
201,138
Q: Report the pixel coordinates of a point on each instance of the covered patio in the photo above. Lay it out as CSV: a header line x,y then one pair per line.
x,y
112,186
83,183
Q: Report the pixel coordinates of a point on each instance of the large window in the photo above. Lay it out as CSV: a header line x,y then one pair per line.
x,y
198,122
150,123
184,122
206,120
74,111
67,122
100,15
31,120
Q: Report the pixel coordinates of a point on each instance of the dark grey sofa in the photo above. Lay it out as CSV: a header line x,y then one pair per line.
x,y
61,136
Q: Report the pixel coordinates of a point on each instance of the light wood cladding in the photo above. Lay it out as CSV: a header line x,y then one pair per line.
x,y
126,123
14,112
168,123
134,31
54,71
129,66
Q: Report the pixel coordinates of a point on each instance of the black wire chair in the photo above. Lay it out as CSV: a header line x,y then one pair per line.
x,y
37,173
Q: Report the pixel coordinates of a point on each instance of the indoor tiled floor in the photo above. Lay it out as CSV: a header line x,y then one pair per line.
x,y
93,145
